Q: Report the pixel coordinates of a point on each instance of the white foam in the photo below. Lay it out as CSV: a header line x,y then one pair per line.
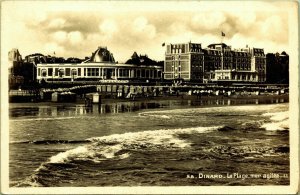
x,y
78,152
109,152
146,114
221,109
276,126
278,116
106,147
279,121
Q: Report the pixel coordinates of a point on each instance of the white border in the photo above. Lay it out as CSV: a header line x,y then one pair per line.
x,y
294,141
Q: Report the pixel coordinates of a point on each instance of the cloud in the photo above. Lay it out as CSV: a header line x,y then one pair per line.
x,y
272,28
142,27
108,27
246,19
51,48
125,30
208,20
75,37
60,36
56,23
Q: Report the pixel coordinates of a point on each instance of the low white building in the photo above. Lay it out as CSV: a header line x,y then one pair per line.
x,y
101,66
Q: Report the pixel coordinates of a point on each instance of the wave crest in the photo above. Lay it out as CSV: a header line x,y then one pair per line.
x,y
279,121
111,146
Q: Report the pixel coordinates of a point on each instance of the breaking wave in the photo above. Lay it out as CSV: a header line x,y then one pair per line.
x,y
111,146
279,121
145,114
118,146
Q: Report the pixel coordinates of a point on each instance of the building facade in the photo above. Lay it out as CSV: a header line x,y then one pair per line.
x,y
218,62
101,66
184,62
277,68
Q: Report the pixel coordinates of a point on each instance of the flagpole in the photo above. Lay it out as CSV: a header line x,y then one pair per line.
x,y
222,36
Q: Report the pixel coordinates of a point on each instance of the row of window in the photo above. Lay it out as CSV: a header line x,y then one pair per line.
x,y
95,72
238,77
177,76
58,72
177,57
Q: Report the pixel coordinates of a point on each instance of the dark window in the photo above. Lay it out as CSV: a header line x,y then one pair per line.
x,y
74,72
56,71
61,72
143,73
44,73
68,71
50,71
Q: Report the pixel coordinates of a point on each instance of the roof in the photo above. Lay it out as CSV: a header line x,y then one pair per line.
x,y
217,44
102,54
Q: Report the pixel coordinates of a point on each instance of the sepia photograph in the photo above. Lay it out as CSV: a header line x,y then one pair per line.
x,y
155,97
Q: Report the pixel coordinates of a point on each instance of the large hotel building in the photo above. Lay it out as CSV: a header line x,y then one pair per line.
x,y
218,62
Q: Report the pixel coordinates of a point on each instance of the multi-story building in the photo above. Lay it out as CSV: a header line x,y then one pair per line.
x,y
15,77
184,62
239,65
258,64
212,61
218,63
277,68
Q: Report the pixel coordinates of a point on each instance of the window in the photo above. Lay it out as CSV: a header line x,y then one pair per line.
x,y
56,71
44,72
169,57
79,71
184,66
74,72
68,71
155,73
61,72
168,67
92,71
39,72
124,73
50,72
138,73
143,73
168,48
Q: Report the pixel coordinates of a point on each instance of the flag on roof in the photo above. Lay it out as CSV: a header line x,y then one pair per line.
x,y
223,34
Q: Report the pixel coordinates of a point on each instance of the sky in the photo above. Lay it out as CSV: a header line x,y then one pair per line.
x,y
77,28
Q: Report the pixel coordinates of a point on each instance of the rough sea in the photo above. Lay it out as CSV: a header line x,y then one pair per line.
x,y
150,143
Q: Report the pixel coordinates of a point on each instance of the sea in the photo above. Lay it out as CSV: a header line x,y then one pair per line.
x,y
218,142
